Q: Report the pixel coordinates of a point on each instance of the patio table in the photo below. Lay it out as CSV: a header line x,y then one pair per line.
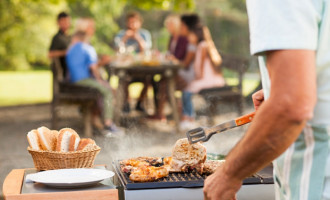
x,y
167,70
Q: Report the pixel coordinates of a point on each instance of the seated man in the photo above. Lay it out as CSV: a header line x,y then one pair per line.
x,y
83,66
61,40
135,40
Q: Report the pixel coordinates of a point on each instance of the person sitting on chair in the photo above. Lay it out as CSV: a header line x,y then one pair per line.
x,y
83,66
135,40
61,40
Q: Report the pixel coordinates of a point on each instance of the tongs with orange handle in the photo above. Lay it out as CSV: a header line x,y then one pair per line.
x,y
203,134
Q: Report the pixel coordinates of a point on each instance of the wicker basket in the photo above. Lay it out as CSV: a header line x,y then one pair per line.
x,y
47,160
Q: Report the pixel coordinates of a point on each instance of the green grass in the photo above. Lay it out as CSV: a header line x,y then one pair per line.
x,y
17,88
25,87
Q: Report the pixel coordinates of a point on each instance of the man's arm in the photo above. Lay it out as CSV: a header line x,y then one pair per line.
x,y
134,35
140,41
191,51
95,71
200,64
56,53
276,125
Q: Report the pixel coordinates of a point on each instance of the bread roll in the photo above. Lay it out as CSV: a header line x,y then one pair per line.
x,y
86,144
55,132
33,139
68,140
47,138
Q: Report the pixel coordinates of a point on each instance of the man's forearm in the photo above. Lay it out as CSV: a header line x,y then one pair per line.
x,y
56,53
269,135
141,43
281,118
95,72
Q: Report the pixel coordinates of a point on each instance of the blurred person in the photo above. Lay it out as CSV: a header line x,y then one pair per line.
x,y
291,127
177,45
61,40
83,66
185,54
135,39
206,62
177,49
187,75
134,35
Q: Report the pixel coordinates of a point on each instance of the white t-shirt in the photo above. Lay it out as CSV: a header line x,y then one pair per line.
x,y
292,24
303,171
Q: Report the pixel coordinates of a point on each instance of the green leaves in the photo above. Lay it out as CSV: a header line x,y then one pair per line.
x,y
27,26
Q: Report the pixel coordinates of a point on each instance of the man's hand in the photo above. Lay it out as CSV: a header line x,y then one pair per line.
x,y
219,186
104,59
258,98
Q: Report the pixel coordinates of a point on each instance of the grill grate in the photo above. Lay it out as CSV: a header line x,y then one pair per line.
x,y
175,180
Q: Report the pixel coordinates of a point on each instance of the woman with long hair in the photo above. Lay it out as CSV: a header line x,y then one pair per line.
x,y
206,72
206,64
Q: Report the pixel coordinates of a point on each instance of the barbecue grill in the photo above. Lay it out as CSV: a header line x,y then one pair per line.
x,y
189,185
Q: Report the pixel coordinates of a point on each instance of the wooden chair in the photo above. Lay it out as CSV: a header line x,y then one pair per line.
x,y
68,93
231,93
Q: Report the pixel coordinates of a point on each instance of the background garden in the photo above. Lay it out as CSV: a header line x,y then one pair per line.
x,y
27,27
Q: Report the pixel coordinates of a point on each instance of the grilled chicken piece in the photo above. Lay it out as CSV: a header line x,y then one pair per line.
x,y
148,173
188,157
199,168
127,168
128,165
151,160
142,161
211,165
167,160
134,163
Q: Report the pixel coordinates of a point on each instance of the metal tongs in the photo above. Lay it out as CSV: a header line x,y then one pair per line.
x,y
203,134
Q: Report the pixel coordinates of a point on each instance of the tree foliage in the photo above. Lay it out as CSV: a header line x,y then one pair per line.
x,y
27,26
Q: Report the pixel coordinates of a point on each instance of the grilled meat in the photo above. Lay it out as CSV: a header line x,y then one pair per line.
x,y
151,160
127,168
143,169
211,165
133,162
148,173
188,157
185,158
145,161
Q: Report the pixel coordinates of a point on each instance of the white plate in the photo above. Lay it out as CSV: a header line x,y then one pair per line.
x,y
66,178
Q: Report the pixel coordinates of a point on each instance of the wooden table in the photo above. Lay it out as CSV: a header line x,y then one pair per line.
x,y
168,71
13,187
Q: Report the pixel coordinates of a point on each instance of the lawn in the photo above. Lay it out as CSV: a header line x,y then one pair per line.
x,y
32,87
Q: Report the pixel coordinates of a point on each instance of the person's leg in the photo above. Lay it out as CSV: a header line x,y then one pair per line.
x,y
107,98
161,99
97,117
188,108
187,111
156,88
143,94
126,107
